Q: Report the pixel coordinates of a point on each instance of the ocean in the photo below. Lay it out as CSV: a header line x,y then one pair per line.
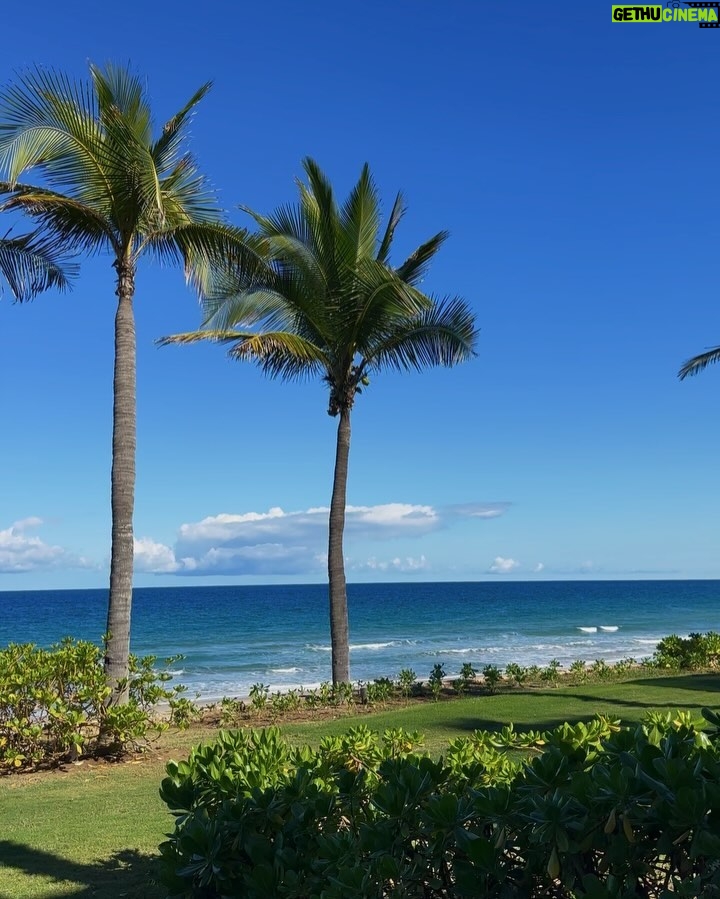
x,y
234,637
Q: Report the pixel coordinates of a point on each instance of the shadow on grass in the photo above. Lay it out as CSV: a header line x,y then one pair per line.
x,y
127,873
710,683
614,706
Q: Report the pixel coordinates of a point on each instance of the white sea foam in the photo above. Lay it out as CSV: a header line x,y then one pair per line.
x,y
374,646
285,670
609,628
588,630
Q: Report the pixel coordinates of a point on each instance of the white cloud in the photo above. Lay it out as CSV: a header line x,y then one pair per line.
x,y
405,564
279,542
538,568
503,566
20,552
152,556
477,510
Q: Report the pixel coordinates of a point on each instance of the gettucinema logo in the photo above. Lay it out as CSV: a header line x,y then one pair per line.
x,y
705,14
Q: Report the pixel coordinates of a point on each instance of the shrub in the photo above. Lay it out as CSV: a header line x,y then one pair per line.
x,y
232,711
551,673
491,676
516,674
407,681
600,669
259,696
696,651
435,680
603,812
52,703
380,690
578,670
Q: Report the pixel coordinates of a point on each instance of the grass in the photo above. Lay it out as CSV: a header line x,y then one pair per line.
x,y
92,829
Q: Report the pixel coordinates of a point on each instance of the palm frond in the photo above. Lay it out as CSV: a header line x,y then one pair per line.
x,y
137,196
381,298
31,264
695,365
278,353
359,220
414,268
254,307
186,195
282,355
48,121
68,224
397,212
121,93
301,273
443,334
285,221
215,255
166,149
204,335
319,209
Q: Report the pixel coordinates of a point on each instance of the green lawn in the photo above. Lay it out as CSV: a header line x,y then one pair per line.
x,y
92,830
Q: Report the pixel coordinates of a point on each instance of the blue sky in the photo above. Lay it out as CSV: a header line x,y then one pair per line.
x,y
574,163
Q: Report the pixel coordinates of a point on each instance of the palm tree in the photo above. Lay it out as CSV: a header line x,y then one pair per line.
x,y
330,304
110,185
698,363
29,266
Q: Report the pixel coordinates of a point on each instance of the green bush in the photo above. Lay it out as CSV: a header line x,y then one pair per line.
x,y
52,703
603,812
491,677
516,674
435,681
407,682
697,651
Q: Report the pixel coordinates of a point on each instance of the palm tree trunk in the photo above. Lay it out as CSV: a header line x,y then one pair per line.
x,y
339,635
122,488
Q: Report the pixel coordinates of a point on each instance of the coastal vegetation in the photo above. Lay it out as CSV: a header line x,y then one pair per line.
x,y
108,184
331,304
597,810
54,709
583,782
59,840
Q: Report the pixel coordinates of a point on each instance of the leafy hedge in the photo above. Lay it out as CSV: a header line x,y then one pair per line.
x,y
691,653
52,703
600,812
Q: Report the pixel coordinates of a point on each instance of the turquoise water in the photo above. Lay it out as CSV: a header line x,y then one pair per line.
x,y
233,637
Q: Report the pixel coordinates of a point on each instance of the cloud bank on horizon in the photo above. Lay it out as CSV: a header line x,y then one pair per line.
x,y
21,551
293,543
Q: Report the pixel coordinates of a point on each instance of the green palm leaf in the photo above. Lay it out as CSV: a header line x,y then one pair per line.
x,y
30,266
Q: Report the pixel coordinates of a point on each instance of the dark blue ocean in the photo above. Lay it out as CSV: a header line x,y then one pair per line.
x,y
233,637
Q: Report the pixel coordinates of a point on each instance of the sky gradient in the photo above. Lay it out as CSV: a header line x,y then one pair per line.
x,y
573,162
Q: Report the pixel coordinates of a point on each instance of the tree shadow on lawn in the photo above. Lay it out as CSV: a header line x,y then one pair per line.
x,y
709,683
602,705
127,873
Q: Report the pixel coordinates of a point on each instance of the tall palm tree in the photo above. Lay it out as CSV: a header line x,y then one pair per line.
x,y
698,363
29,266
109,184
331,304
